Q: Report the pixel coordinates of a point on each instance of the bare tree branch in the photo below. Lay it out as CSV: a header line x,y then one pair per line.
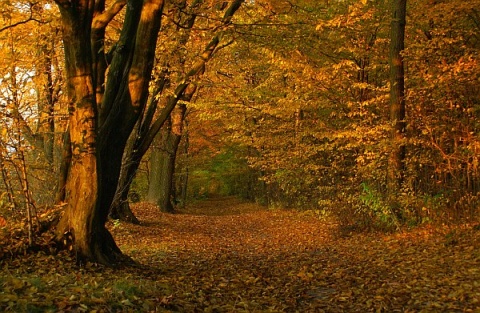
x,y
30,19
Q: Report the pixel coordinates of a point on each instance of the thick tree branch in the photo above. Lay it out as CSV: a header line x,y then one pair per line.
x,y
157,125
120,66
102,20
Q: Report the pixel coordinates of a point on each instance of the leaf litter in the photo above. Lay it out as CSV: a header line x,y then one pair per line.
x,y
225,255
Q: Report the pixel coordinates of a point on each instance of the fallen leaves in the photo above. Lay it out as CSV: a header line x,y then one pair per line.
x,y
229,256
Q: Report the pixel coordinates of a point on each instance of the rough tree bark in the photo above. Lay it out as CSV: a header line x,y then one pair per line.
x,y
65,161
80,220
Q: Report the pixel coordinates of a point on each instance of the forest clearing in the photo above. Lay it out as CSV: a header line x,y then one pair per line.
x,y
226,255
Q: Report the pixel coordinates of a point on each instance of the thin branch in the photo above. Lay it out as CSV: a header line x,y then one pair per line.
x,y
30,19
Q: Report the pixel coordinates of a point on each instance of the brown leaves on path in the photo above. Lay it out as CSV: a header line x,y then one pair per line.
x,y
228,256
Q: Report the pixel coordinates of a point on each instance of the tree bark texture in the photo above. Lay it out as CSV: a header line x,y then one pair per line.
x,y
81,220
65,161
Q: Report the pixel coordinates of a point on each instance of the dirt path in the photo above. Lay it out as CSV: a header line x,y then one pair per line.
x,y
228,256
224,255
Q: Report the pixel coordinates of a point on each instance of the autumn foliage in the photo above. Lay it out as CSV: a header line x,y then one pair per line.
x,y
313,110
274,131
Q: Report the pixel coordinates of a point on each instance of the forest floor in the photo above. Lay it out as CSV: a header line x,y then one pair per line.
x,y
225,255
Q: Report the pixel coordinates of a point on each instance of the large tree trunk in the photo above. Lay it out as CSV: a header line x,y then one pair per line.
x,y
99,131
98,141
124,104
163,159
397,98
81,221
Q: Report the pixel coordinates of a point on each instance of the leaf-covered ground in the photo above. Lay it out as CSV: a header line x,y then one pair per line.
x,y
228,256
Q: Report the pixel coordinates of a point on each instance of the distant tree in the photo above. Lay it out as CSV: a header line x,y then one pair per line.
x,y
162,161
397,96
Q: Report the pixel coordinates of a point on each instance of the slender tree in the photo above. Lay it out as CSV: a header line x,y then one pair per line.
x,y
161,183
397,95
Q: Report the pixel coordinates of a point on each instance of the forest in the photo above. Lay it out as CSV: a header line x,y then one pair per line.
x,y
240,156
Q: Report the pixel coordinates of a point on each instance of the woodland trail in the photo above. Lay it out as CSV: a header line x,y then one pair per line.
x,y
224,255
